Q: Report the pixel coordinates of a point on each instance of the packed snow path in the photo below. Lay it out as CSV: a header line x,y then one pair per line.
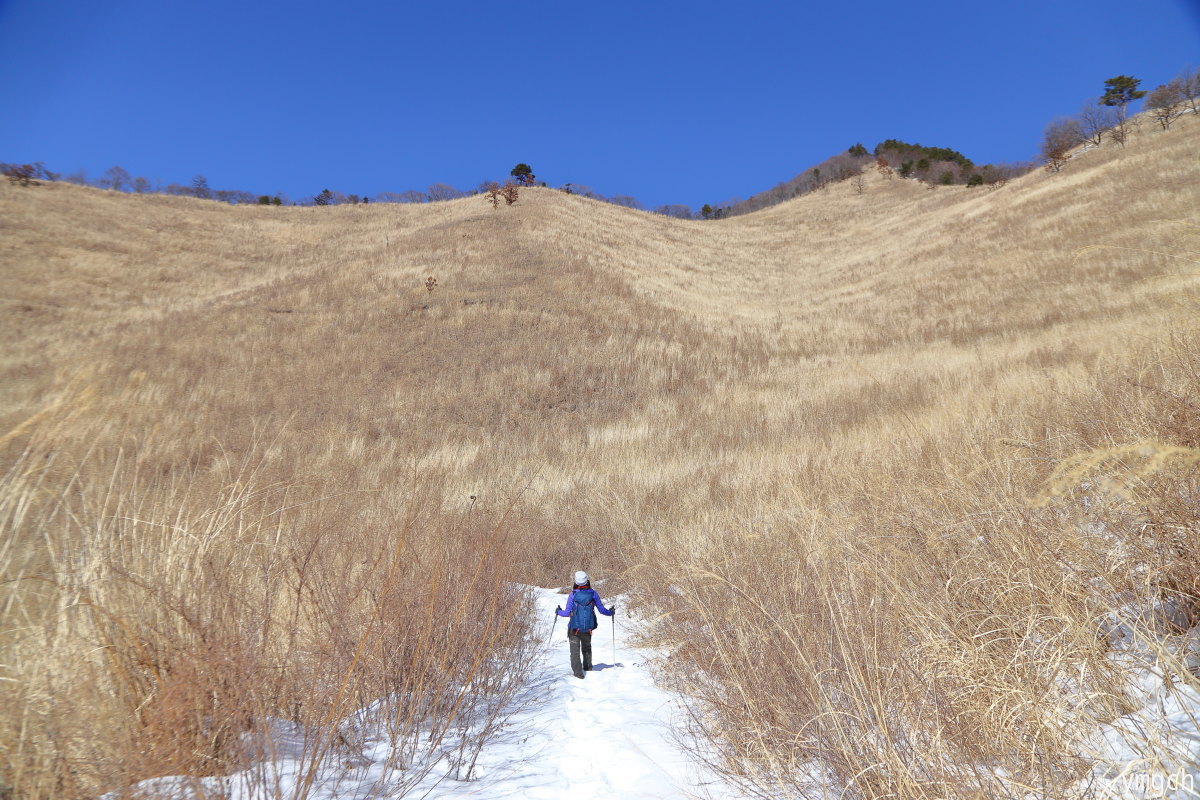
x,y
612,735
615,735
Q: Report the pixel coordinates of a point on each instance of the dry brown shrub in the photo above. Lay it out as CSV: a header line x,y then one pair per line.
x,y
509,192
493,194
20,174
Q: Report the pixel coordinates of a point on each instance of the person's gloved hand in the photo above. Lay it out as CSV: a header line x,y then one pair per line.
x,y
558,608
614,609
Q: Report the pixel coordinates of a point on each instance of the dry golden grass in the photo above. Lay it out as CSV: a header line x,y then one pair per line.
x,y
825,422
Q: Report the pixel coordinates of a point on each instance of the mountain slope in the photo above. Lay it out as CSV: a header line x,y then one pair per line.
x,y
584,386
901,281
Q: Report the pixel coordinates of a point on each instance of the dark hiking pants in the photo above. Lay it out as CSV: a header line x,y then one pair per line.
x,y
581,645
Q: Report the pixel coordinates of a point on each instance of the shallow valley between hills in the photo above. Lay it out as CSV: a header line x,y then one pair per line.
x,y
903,478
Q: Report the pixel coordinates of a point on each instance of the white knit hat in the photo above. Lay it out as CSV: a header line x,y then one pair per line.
x,y
581,578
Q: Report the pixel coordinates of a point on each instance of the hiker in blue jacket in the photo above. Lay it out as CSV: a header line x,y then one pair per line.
x,y
582,605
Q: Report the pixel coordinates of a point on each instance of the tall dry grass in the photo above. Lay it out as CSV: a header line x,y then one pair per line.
x,y
933,629
802,419
199,618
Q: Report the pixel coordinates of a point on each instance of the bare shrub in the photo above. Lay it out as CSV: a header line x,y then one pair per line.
x,y
20,174
510,193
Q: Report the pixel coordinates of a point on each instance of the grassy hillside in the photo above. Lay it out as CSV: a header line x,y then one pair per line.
x,y
250,419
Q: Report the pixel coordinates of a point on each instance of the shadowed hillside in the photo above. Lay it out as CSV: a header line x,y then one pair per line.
x,y
733,407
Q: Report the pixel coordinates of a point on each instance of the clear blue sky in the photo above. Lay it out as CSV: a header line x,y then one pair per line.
x,y
670,102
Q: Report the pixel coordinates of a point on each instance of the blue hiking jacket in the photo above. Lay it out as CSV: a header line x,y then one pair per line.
x,y
566,612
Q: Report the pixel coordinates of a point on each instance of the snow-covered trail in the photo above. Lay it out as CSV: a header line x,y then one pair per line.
x,y
615,735
612,735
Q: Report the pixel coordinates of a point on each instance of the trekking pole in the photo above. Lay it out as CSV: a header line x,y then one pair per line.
x,y
613,637
554,625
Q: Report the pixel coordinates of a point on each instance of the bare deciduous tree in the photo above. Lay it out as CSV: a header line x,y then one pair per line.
x,y
410,196
234,196
442,191
1095,120
200,188
1189,85
115,178
675,210
625,201
1121,132
1166,103
141,185
1060,137
998,175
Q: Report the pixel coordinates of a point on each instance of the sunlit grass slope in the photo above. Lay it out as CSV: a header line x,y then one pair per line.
x,y
730,407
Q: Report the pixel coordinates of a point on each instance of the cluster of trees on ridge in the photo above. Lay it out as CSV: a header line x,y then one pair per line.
x,y
932,165
1105,116
119,179
922,162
